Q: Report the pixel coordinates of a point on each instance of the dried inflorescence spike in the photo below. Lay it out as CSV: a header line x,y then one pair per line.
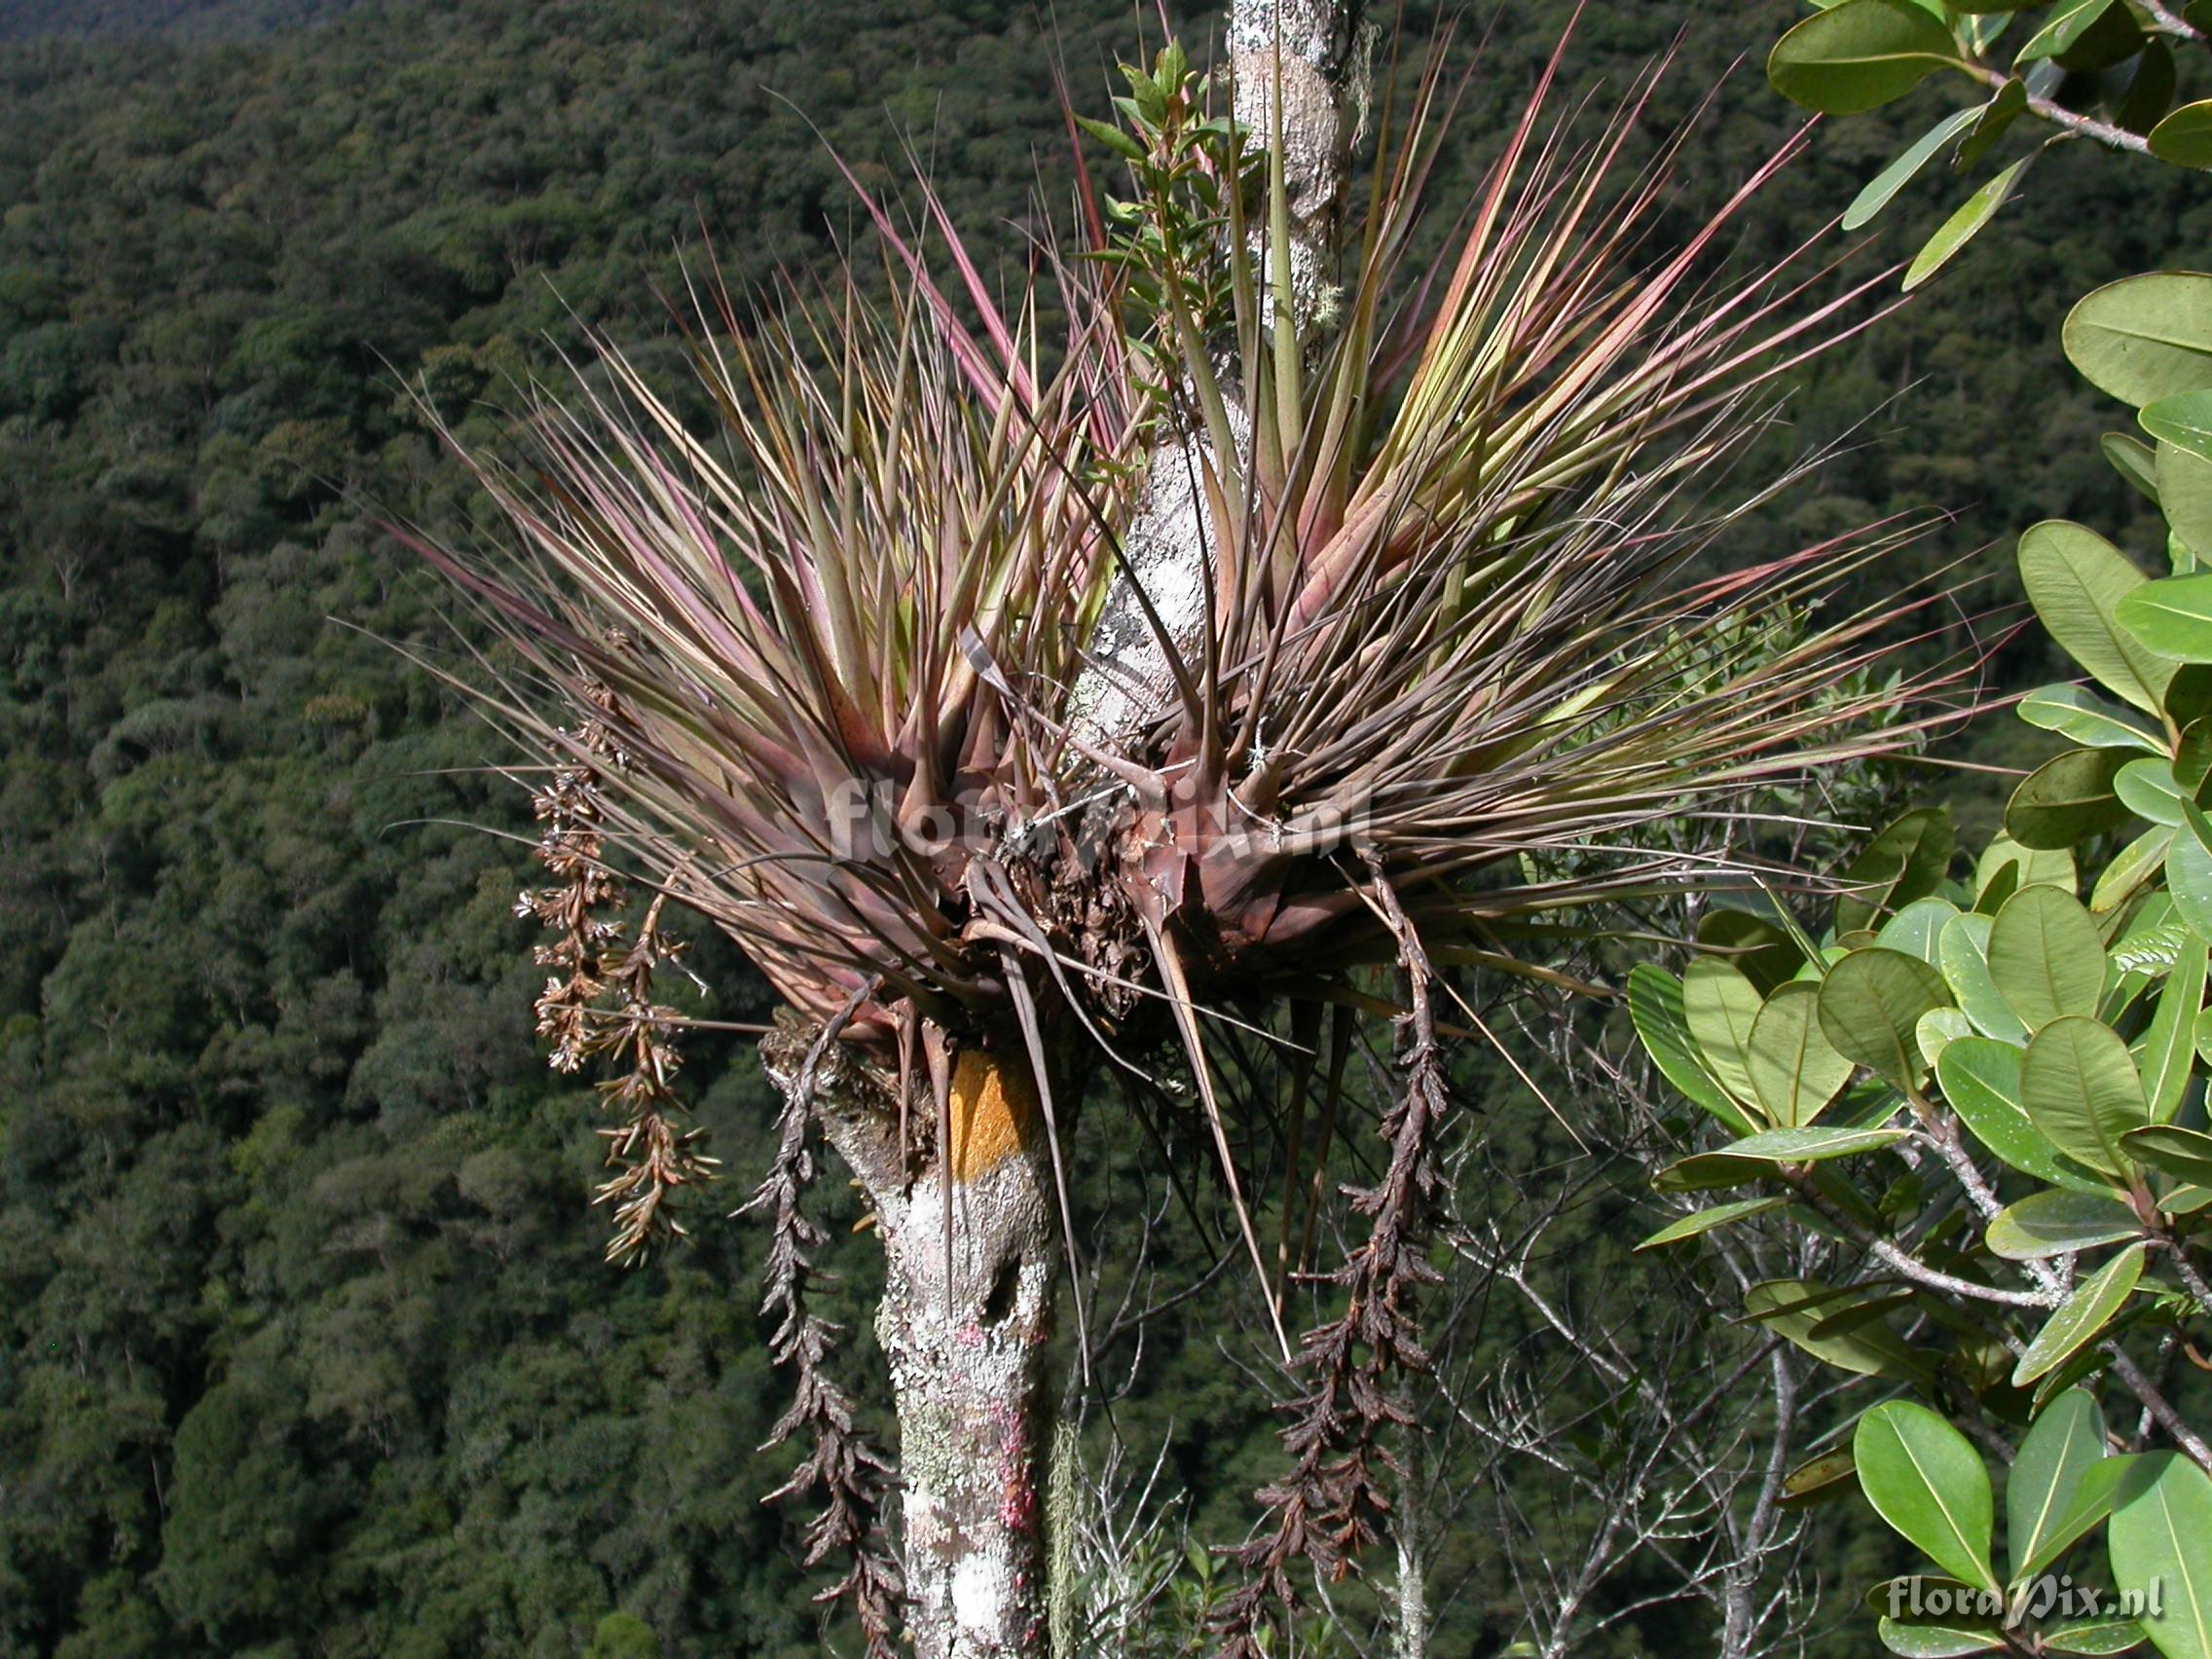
x,y
851,1474
1334,1503
655,1157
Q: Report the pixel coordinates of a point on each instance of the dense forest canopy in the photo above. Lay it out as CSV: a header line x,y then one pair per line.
x,y
305,1342
183,20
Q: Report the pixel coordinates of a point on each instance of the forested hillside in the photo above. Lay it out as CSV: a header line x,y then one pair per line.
x,y
184,19
306,1345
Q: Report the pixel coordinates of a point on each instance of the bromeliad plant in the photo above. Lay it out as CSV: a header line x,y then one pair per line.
x,y
1451,601
1987,1091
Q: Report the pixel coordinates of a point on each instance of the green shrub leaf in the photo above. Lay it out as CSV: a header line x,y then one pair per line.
x,y
1870,1003
2161,1525
2095,1489
1980,1078
1926,1481
2067,25
2185,136
1963,954
1907,861
1964,225
1655,1007
1859,56
2064,1442
2067,799
1707,1220
1937,1641
2045,956
1722,1006
1792,1307
2171,616
2183,420
1795,1070
2168,1047
2079,1087
2076,579
2084,1313
2080,713
2052,1223
2184,1154
2143,338
1884,185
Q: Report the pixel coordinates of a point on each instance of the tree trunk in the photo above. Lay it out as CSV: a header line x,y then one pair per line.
x,y
1309,48
967,1352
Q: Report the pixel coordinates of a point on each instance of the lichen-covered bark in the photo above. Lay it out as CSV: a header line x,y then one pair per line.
x,y
1307,49
964,1322
967,1368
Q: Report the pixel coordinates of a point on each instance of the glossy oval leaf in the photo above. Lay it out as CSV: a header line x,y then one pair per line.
x,y
1938,1030
2093,1638
2147,789
2068,23
1792,1307
2184,1154
1720,1006
2171,616
1980,1078
2067,799
1907,861
2183,420
1795,1070
2158,1538
1918,928
2185,494
2096,1490
2129,868
1870,1005
2083,1317
2096,723
2170,1046
2079,1087
2133,460
2051,1223
1818,1479
1655,1008
1963,954
1859,56
2006,105
1813,1145
2188,882
2064,1442
2045,956
1927,1482
2150,92
2006,867
2185,136
2076,579
2143,338
1936,1642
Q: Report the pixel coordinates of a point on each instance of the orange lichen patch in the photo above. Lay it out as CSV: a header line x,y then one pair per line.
x,y
994,1112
